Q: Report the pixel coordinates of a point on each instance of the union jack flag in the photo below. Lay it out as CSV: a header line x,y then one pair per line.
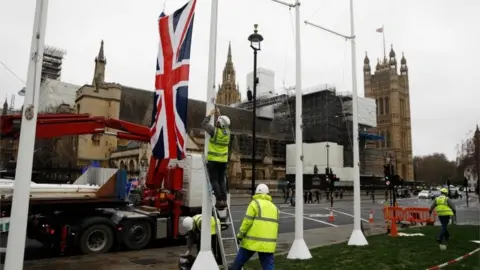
x,y
169,116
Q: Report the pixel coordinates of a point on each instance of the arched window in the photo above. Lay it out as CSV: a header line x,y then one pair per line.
x,y
387,105
381,106
389,139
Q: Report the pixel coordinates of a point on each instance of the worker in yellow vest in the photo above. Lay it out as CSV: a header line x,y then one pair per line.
x,y
259,230
445,209
193,227
218,154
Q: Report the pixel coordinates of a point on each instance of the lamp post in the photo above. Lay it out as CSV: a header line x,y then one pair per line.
x,y
255,40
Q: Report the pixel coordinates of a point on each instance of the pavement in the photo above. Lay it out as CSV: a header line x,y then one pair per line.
x,y
318,231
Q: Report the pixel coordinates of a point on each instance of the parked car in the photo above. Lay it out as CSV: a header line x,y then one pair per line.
x,y
434,194
455,193
424,194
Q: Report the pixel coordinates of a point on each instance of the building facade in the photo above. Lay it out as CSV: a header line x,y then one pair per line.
x,y
391,91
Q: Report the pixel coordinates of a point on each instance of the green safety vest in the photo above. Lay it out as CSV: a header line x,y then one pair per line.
x,y
442,207
218,145
262,234
197,219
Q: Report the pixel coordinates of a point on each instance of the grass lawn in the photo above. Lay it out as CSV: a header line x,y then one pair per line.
x,y
385,252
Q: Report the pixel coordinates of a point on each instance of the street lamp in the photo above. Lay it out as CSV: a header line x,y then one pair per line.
x,y
255,40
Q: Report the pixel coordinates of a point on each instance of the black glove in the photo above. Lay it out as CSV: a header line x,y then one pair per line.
x,y
239,240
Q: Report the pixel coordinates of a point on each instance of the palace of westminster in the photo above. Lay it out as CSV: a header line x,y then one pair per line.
x,y
385,85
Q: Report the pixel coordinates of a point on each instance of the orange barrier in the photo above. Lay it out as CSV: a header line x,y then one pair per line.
x,y
393,213
413,215
420,215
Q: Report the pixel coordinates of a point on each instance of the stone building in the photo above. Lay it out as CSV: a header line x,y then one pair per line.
x,y
134,105
228,92
392,94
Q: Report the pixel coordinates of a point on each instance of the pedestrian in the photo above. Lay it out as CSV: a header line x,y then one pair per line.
x,y
193,226
259,230
305,196
317,196
445,209
218,154
289,190
310,196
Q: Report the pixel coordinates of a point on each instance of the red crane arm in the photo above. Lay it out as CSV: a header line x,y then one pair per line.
x,y
58,125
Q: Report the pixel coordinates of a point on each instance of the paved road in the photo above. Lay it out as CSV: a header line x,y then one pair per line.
x,y
315,216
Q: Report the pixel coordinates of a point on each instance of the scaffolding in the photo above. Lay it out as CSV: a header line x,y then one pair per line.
x,y
52,63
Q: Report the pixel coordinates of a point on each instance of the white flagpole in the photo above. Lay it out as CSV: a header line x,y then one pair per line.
x,y
205,259
384,48
299,249
357,238
23,172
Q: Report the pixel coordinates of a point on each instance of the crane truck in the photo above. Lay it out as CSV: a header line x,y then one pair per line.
x,y
93,214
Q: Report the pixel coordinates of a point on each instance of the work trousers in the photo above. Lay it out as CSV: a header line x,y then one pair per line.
x,y
216,173
443,235
194,236
243,255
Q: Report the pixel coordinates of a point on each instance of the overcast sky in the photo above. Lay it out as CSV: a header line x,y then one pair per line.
x,y
439,37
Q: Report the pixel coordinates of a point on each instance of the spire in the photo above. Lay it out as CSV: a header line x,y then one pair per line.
x,y
229,55
392,52
101,54
366,64
477,131
100,63
403,65
5,107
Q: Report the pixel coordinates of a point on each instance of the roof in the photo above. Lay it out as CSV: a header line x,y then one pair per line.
x,y
136,107
54,93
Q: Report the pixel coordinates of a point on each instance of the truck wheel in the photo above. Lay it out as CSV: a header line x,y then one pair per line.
x,y
137,234
97,238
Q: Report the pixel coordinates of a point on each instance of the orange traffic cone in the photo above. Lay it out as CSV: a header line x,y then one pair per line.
x,y
331,218
393,230
370,218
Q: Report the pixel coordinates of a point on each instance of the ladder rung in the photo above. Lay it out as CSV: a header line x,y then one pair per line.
x,y
229,238
230,254
226,223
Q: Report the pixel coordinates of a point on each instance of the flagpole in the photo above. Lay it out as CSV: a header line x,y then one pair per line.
x,y
205,259
299,249
23,172
384,48
357,237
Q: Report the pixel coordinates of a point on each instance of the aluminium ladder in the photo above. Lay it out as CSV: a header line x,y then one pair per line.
x,y
226,222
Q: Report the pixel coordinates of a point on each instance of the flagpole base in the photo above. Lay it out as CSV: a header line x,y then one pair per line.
x,y
357,239
299,250
205,261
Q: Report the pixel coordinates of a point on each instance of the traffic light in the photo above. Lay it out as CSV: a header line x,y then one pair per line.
x,y
326,171
386,171
465,181
330,172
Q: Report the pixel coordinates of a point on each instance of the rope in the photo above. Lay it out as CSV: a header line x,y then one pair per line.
x,y
13,73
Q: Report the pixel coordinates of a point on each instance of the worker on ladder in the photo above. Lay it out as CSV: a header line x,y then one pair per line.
x,y
218,154
193,227
259,230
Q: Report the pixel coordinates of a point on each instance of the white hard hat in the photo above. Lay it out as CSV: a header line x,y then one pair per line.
x,y
188,223
262,189
223,121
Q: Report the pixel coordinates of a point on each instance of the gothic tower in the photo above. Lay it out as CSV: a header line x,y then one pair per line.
x,y
392,94
228,92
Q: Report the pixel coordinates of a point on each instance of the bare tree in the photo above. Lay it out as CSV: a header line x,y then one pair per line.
x,y
59,152
434,168
466,155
